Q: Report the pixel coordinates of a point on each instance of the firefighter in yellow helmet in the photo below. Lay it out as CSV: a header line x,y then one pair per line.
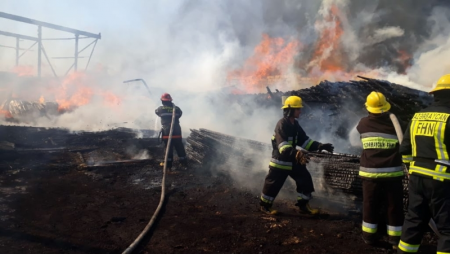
x,y
381,170
287,161
427,140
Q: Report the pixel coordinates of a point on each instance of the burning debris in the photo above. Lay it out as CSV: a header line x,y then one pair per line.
x,y
14,110
28,98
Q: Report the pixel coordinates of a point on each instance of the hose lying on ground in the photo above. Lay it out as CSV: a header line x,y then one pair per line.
x,y
133,246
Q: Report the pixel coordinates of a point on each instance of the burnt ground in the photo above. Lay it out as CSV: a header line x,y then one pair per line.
x,y
62,207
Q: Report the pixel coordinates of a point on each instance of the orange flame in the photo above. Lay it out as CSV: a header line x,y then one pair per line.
x,y
404,59
271,58
111,99
328,55
73,93
41,100
274,57
5,113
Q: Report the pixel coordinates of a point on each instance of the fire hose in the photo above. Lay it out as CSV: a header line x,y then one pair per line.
x,y
136,242
399,132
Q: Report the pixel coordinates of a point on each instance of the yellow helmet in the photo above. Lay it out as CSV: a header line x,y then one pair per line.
x,y
376,103
443,83
293,102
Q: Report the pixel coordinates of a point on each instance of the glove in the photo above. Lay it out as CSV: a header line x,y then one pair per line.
x,y
301,158
327,147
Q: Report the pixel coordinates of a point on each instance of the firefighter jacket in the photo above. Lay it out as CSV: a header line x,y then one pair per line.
x,y
427,139
284,141
165,112
380,158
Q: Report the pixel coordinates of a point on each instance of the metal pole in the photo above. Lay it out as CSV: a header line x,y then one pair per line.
x,y
92,52
139,79
17,51
28,49
39,49
67,72
48,61
75,65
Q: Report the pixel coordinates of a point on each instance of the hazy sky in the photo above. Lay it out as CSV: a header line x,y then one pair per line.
x,y
120,22
93,16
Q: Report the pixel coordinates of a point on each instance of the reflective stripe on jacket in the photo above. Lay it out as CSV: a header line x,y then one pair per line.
x,y
427,139
165,112
380,157
286,137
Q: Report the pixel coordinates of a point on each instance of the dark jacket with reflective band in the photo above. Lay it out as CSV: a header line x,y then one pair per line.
x,y
427,139
286,137
165,112
381,158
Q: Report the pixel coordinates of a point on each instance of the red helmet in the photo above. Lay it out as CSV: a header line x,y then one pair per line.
x,y
166,97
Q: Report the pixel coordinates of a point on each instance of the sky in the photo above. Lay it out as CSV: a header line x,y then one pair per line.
x,y
119,22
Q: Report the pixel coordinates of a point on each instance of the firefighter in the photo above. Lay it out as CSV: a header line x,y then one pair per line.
x,y
381,170
427,141
165,112
287,161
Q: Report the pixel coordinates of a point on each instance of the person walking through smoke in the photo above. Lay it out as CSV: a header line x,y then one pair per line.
x,y
287,161
165,113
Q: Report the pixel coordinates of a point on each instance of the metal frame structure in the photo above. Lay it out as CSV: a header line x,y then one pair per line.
x,y
38,40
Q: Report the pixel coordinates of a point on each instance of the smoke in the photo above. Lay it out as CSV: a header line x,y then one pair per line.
x,y
385,33
189,48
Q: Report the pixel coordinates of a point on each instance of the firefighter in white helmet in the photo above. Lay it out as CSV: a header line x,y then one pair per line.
x,y
287,161
427,141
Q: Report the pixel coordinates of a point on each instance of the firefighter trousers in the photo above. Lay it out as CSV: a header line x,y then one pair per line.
x,y
176,143
428,199
387,193
275,180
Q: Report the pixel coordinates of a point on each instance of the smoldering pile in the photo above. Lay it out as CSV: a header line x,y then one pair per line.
x,y
35,148
332,109
336,175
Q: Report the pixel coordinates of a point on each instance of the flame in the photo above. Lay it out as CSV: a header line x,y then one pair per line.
x,y
24,70
41,100
111,99
271,58
78,89
328,55
404,59
5,113
73,93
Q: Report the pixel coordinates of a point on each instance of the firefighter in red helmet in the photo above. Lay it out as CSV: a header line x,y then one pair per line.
x,y
165,113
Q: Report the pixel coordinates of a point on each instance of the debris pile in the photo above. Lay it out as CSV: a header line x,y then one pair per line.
x,y
338,106
52,147
13,110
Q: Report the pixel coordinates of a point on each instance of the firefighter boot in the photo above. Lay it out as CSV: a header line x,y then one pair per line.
x,y
169,165
394,241
268,210
305,208
369,240
184,164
